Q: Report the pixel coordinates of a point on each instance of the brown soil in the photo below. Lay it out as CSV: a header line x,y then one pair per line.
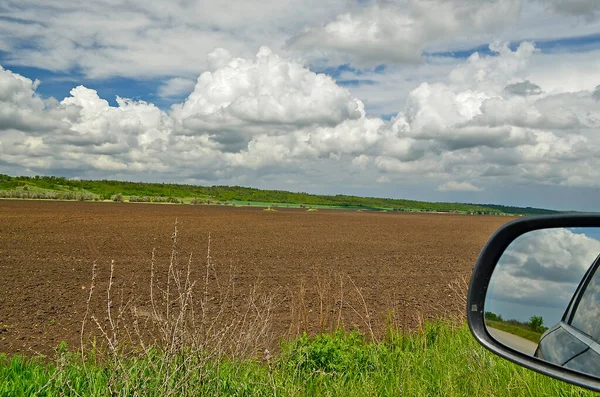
x,y
398,261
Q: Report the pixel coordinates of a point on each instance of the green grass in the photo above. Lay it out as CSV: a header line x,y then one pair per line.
x,y
521,331
105,189
442,360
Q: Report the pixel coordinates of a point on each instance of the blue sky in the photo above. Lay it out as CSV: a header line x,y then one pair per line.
x,y
58,84
441,101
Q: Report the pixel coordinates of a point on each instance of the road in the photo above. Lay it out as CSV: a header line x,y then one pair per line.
x,y
516,342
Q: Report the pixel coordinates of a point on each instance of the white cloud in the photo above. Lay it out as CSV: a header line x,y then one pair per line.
x,y
107,38
562,73
20,107
270,117
453,186
176,87
385,92
472,125
398,32
361,161
587,9
267,95
136,123
517,119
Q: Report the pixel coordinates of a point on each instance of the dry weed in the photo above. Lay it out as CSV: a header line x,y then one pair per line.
x,y
187,326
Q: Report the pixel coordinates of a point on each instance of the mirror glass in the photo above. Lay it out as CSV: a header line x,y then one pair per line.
x,y
543,298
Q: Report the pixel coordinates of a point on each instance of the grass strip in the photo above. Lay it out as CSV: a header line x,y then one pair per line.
x,y
441,360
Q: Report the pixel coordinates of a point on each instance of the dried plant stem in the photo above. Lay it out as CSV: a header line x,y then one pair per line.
x,y
367,318
87,312
339,319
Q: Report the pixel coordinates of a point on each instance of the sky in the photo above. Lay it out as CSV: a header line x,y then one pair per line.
x,y
539,272
492,101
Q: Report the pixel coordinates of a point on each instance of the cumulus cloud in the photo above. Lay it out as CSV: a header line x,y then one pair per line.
x,y
453,186
251,117
246,114
543,268
136,122
21,109
81,132
472,126
266,95
398,32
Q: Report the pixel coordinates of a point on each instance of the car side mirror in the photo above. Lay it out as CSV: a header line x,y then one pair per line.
x,y
534,296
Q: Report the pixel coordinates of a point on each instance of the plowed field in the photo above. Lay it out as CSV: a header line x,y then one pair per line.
x,y
312,261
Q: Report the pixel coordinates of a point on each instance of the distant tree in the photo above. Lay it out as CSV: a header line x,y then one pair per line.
x,y
536,324
492,316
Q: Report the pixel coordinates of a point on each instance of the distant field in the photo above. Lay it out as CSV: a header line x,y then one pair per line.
x,y
398,264
286,302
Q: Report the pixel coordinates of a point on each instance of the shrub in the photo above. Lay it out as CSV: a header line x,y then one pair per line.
x,y
492,316
27,194
67,196
118,198
138,199
86,197
536,324
334,354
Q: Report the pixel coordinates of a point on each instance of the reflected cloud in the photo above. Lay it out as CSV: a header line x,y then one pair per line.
x,y
543,268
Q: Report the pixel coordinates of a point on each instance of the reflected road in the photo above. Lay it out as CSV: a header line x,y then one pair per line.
x,y
513,341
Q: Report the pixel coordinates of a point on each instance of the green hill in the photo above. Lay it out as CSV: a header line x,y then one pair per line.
x,y
50,187
522,210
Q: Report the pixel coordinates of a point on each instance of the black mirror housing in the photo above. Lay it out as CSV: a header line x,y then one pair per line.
x,y
480,280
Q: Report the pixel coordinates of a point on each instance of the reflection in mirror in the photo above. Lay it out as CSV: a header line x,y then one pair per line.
x,y
543,298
